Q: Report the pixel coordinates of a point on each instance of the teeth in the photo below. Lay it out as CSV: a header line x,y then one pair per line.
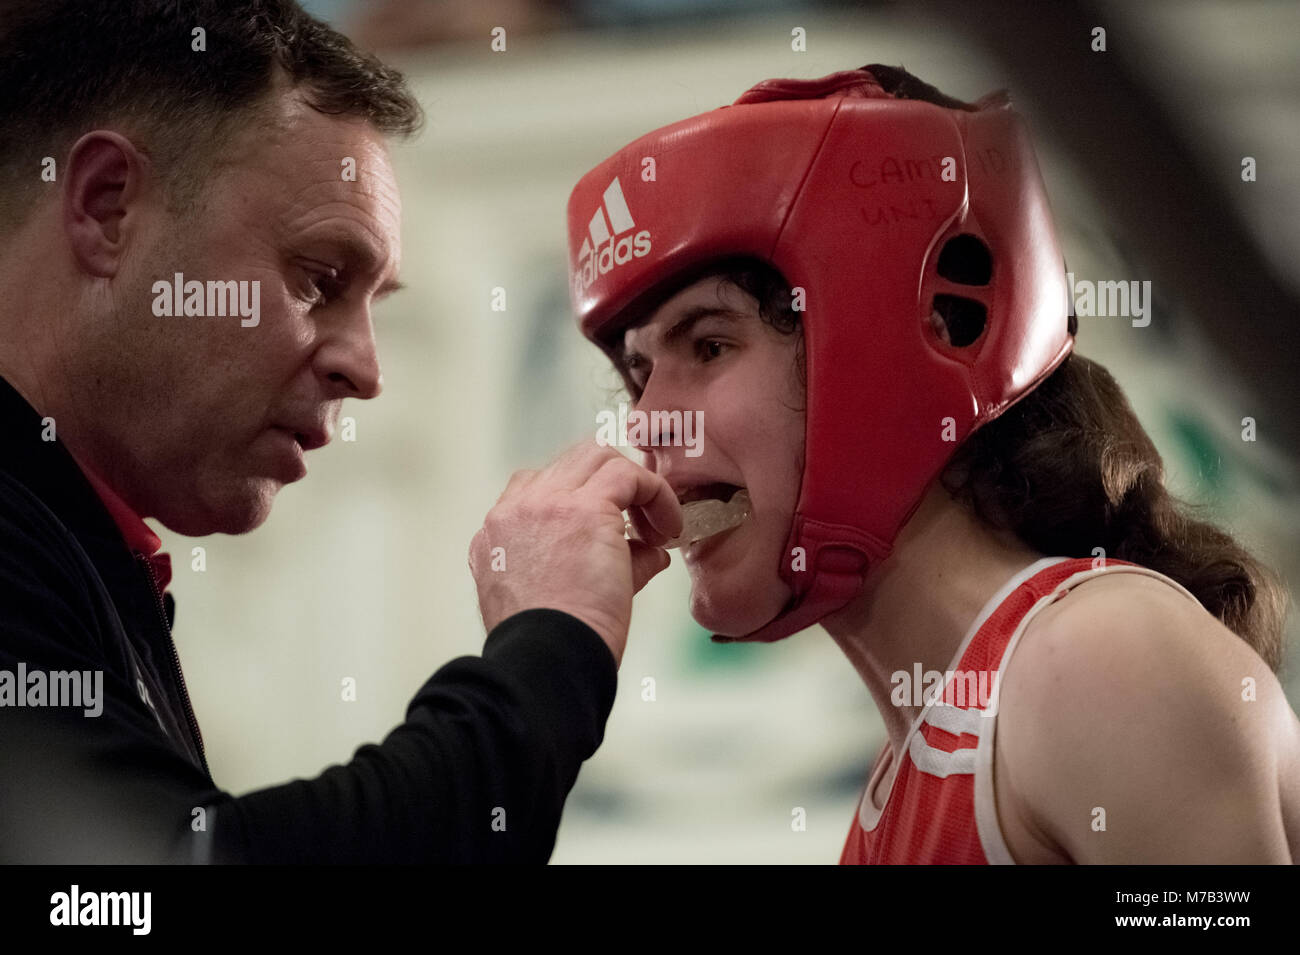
x,y
701,519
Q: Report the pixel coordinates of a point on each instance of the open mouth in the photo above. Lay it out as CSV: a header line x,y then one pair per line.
x,y
709,492
707,509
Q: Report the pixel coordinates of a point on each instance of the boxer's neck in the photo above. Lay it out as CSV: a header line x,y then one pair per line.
x,y
919,604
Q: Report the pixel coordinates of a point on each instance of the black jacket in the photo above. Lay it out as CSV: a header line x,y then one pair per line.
x,y
479,771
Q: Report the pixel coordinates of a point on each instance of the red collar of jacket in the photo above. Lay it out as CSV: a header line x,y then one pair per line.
x,y
139,538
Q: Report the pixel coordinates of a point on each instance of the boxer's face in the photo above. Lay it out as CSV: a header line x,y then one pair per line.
x,y
706,350
201,420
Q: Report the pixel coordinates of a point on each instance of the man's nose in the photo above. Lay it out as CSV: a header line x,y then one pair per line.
x,y
348,360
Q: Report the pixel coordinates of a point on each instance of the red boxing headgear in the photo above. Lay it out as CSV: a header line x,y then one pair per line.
x,y
885,212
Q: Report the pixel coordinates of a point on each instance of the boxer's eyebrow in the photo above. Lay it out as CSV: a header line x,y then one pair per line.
x,y
693,316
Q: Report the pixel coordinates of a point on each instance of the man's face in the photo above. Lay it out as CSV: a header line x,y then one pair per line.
x,y
199,421
706,350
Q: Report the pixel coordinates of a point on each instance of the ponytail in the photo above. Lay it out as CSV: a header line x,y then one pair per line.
x,y
1069,468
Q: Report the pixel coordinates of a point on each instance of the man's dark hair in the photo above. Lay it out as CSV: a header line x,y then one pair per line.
x,y
70,66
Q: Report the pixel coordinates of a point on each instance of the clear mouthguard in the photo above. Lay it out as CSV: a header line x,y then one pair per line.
x,y
701,519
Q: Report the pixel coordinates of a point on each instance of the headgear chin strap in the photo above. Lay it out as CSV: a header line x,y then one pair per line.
x,y
933,284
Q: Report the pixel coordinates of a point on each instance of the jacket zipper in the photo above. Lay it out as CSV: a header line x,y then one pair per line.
x,y
176,660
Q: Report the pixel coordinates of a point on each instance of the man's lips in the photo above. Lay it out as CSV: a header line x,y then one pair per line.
x,y
293,464
309,437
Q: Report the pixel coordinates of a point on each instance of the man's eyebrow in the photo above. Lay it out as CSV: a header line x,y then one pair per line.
x,y
362,255
388,288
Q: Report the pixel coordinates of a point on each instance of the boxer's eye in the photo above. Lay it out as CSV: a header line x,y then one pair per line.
x,y
710,348
635,371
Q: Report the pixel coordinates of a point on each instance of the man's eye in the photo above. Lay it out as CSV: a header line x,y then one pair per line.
x,y
323,287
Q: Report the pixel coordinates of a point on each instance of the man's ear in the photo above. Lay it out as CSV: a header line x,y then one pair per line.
x,y
106,175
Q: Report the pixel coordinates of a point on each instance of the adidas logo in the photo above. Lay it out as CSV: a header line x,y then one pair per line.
x,y
607,246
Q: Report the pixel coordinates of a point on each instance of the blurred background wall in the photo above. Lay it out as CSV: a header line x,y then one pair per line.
x,y
361,571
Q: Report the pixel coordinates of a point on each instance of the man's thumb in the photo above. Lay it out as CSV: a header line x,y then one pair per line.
x,y
646,562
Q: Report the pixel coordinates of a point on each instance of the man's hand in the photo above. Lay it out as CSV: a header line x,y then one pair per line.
x,y
555,539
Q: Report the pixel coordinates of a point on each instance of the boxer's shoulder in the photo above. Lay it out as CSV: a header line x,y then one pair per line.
x,y
1119,632
1120,697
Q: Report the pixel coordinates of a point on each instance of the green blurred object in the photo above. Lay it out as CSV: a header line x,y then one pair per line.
x,y
1202,455
702,655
